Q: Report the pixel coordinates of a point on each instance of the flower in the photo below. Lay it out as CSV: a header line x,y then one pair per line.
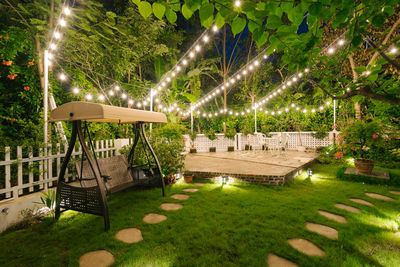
x,y
26,88
374,136
31,63
12,77
7,63
6,36
338,155
351,121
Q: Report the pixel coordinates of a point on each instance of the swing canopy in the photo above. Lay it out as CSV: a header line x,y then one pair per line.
x,y
93,112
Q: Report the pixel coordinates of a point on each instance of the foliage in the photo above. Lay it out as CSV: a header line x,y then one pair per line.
x,y
365,140
230,133
319,134
192,136
171,131
394,178
327,155
48,199
211,134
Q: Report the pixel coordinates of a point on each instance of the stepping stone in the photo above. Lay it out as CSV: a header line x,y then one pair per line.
x,y
198,184
129,235
332,216
380,197
171,206
394,192
180,196
276,261
306,247
348,208
322,230
154,218
190,190
362,202
98,258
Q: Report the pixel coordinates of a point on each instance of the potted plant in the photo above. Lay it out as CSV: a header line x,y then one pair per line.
x,y
366,142
192,136
247,130
212,136
188,178
230,134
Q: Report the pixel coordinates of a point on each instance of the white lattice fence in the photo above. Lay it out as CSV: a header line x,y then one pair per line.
x,y
202,143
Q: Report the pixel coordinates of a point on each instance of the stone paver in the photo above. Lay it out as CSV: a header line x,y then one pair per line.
x,y
190,190
306,247
394,192
276,261
98,258
380,197
171,206
348,208
180,196
198,184
362,202
153,218
324,230
129,235
332,216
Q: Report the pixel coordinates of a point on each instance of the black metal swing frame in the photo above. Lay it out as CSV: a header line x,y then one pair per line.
x,y
93,199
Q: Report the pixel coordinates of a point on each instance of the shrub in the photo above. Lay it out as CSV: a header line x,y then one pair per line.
x,y
230,134
211,134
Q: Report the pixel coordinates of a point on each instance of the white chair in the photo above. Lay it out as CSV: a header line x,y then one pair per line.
x,y
273,144
283,144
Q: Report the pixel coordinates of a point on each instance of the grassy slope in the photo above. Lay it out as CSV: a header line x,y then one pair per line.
x,y
237,224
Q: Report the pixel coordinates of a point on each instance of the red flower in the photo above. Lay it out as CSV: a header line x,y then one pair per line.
x,y
6,36
26,88
31,63
7,63
338,155
1,36
12,77
374,136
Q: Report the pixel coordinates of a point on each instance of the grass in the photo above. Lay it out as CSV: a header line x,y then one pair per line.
x,y
230,225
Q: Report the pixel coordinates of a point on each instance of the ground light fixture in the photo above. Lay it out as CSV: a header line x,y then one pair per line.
x,y
224,179
309,172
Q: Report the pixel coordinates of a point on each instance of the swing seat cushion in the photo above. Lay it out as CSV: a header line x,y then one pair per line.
x,y
114,168
86,111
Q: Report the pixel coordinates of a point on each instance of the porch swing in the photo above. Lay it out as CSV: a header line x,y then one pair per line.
x,y
100,177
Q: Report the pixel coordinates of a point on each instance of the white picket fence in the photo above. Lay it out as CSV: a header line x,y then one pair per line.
x,y
202,143
26,170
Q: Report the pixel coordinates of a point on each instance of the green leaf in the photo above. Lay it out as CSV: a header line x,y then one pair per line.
x,y
373,77
340,17
378,20
273,22
171,15
238,25
158,10
360,69
253,26
388,10
219,20
315,8
145,9
206,15
262,39
273,44
357,40
136,2
186,12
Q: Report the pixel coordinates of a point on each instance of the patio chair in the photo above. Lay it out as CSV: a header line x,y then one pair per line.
x,y
116,173
283,144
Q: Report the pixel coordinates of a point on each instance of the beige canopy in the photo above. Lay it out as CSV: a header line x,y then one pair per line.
x,y
86,111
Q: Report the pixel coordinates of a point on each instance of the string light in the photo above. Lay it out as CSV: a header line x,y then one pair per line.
x,y
62,77
75,90
101,97
130,102
124,96
57,35
238,3
215,28
67,11
393,50
53,46
62,22
111,93
89,97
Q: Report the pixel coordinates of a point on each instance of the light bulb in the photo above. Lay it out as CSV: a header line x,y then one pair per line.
x,y
138,105
286,109
242,113
238,76
222,87
230,112
313,110
266,112
123,96
89,97
178,68
256,63
331,50
173,74
321,107
348,89
191,54
238,3
294,79
251,67
300,74
62,22
215,114
53,46
289,83
57,35
163,84
144,103
217,91
67,11
244,72
101,97
215,28
279,90
157,100
75,90
111,93
117,88
232,80
265,56
236,114
341,42
213,93
328,103
50,56
306,70
279,112
205,38
393,50
284,86
159,88
160,106
130,102
168,79
305,111
227,84
368,72
184,62
297,108
62,77
197,48
273,113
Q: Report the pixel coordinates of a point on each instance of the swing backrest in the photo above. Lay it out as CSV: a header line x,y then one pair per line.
x,y
114,171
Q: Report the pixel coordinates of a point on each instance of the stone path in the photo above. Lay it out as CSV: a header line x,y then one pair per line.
x,y
394,192
362,202
129,235
153,218
201,184
324,230
332,216
276,261
348,208
180,196
190,190
380,197
306,247
98,258
171,206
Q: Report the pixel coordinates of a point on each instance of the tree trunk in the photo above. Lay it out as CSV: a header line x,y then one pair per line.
x,y
357,106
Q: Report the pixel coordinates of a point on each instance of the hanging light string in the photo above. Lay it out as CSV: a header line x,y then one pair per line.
x,y
237,76
183,62
277,111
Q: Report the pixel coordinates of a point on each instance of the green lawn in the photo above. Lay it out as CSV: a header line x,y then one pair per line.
x,y
230,225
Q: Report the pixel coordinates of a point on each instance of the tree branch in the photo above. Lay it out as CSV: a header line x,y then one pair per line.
x,y
390,61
